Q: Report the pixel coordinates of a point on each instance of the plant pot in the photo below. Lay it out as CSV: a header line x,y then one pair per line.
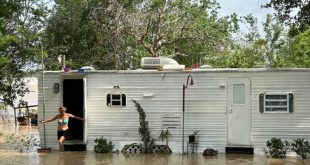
x,y
191,139
67,69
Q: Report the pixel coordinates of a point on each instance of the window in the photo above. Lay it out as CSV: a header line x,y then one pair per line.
x,y
238,94
116,99
276,103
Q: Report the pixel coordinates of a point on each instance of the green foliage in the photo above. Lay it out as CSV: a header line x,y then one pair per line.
x,y
246,51
87,33
293,12
300,51
144,131
276,41
165,135
116,34
301,147
21,24
103,146
274,50
276,148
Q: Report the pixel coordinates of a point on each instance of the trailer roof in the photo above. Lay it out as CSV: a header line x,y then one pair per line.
x,y
187,71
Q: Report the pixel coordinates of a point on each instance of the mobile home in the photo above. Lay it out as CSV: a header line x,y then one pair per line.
x,y
229,107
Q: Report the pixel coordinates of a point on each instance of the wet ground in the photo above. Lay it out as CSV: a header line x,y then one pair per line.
x,y
9,156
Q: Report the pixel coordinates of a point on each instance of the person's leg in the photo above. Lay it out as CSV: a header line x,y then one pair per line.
x,y
61,139
61,143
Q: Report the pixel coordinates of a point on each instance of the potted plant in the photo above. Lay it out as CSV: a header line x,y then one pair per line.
x,y
276,150
68,66
192,137
165,135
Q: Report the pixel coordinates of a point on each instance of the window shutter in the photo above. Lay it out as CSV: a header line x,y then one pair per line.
x,y
109,100
291,102
261,103
123,100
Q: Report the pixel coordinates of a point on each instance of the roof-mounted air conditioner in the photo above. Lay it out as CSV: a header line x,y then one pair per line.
x,y
156,62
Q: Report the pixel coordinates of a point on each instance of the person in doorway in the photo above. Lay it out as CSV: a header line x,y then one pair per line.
x,y
62,129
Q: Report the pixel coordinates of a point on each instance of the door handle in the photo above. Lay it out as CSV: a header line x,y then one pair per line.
x,y
230,110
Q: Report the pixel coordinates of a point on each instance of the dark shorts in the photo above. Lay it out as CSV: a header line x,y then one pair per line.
x,y
62,133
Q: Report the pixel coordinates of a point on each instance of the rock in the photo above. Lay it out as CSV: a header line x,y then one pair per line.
x,y
209,151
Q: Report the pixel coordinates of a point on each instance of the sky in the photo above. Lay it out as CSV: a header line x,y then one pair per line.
x,y
245,7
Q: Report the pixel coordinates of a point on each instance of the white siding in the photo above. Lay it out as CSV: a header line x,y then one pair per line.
x,y
205,106
52,102
285,126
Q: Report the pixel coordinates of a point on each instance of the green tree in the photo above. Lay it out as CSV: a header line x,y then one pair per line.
x,y
144,131
286,9
186,31
116,34
20,22
88,33
247,50
277,42
300,50
250,49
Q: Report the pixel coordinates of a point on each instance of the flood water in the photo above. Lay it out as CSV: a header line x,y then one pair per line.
x,y
9,156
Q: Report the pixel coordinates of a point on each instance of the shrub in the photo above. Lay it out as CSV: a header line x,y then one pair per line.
x,y
165,135
144,131
301,147
276,148
103,146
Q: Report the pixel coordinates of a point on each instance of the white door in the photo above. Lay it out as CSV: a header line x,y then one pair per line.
x,y
238,112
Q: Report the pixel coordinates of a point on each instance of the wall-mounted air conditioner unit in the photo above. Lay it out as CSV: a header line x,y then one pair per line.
x,y
156,62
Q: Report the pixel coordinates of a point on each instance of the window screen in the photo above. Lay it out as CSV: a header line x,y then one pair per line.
x,y
116,99
276,102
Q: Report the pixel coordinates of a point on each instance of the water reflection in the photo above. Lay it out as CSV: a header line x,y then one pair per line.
x,y
63,158
7,129
91,158
9,156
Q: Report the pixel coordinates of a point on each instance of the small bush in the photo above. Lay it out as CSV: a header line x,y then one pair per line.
x,y
276,148
301,147
103,146
165,135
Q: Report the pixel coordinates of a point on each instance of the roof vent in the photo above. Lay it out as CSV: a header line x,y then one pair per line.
x,y
88,68
205,67
156,62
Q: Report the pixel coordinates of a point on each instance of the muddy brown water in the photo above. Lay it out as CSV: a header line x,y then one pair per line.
x,y
9,156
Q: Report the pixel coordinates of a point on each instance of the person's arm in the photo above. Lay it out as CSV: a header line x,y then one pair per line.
x,y
75,117
49,120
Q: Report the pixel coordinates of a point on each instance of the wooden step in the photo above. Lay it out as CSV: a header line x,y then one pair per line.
x,y
239,150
